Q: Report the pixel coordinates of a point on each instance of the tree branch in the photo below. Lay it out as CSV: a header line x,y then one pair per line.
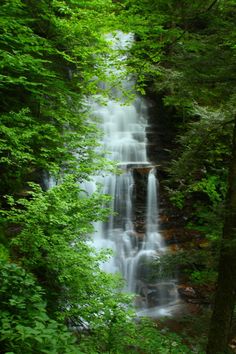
x,y
211,6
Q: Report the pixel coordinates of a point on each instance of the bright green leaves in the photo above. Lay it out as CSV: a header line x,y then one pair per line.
x,y
57,217
24,324
21,61
126,336
50,54
15,147
212,186
28,144
23,65
53,242
49,238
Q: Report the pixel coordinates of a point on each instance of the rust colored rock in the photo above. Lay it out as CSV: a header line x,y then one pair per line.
x,y
187,292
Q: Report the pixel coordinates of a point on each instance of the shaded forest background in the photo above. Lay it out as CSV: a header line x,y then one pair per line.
x,y
54,297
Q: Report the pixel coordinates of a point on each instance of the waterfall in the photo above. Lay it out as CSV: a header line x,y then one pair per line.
x,y
154,239
125,141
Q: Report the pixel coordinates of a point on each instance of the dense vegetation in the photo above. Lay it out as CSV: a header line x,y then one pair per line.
x,y
185,53
54,297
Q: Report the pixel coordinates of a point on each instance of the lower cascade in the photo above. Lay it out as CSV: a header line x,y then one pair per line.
x,y
132,230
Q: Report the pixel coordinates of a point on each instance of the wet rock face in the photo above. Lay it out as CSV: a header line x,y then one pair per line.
x,y
140,192
158,294
140,173
193,295
187,292
161,132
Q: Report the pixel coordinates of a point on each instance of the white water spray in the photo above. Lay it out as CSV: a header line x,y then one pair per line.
x,y
125,139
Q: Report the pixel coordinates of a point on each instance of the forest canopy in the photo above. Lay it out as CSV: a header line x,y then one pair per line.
x,y
54,296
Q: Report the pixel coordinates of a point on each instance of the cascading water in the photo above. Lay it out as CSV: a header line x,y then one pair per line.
x,y
125,140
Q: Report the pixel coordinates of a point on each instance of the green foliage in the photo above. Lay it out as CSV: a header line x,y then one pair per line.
x,y
199,172
4,254
208,220
185,52
205,146
53,243
208,276
210,185
130,337
178,37
162,341
188,50
24,324
52,57
200,266
176,197
51,53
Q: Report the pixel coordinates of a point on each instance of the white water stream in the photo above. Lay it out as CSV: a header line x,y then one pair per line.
x,y
125,140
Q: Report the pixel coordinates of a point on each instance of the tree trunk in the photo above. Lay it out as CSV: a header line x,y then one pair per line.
x,y
226,292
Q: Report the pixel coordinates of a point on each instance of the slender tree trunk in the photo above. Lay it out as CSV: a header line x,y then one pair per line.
x,y
226,292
